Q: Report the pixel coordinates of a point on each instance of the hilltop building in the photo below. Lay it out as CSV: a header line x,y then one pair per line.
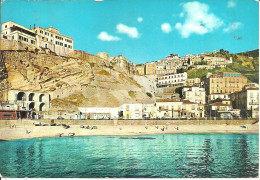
x,y
38,38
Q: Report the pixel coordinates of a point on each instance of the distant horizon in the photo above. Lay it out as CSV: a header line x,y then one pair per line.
x,y
145,35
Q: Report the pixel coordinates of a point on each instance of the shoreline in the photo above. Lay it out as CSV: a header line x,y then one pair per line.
x,y
27,130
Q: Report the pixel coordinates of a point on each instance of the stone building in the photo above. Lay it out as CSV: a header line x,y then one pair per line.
x,y
224,82
140,70
150,68
29,100
38,38
247,100
192,82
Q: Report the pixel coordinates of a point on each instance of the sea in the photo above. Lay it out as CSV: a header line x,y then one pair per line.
x,y
146,156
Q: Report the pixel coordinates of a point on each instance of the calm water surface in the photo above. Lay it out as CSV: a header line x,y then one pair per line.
x,y
177,155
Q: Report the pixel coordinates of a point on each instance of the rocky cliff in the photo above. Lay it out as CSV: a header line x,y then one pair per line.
x,y
70,81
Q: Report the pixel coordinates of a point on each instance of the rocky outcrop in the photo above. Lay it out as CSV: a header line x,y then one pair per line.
x,y
70,81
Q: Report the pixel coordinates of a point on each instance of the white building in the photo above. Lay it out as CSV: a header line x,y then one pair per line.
x,y
171,80
132,111
167,108
100,112
194,94
38,38
215,96
25,100
149,111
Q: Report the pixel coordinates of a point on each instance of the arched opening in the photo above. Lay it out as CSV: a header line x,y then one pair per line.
x,y
21,96
31,106
41,97
31,97
42,107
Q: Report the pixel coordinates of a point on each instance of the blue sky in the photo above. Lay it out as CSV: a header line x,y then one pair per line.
x,y
145,30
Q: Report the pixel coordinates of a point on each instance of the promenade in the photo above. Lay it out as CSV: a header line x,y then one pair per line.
x,y
24,129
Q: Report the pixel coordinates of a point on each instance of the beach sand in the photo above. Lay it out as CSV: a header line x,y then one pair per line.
x,y
29,130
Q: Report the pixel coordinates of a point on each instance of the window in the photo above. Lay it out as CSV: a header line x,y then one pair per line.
x,y
20,37
13,37
4,37
45,33
51,35
5,26
32,42
36,31
41,31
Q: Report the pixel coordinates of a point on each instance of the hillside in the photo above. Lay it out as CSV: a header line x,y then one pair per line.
x,y
248,66
253,53
71,82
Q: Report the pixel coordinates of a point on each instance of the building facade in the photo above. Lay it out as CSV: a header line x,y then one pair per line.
x,y
171,80
38,38
194,94
132,111
248,101
224,82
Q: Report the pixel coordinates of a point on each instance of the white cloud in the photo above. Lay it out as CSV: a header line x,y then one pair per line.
x,y
197,20
231,4
130,31
181,14
232,27
166,28
140,19
103,36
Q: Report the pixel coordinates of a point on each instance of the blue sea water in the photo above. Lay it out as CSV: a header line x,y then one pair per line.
x,y
175,155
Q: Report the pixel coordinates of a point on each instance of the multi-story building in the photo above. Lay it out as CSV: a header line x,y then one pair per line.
x,y
192,109
194,94
224,83
214,61
38,38
140,70
192,82
171,80
150,68
220,110
132,111
247,100
215,96
149,111
167,108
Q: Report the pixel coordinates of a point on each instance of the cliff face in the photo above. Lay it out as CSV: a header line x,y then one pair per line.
x,y
71,82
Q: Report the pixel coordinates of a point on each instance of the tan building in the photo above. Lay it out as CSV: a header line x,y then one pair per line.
x,y
167,108
192,82
224,83
38,38
192,109
150,68
247,100
140,70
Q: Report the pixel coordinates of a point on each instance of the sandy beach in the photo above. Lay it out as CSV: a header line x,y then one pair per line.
x,y
27,129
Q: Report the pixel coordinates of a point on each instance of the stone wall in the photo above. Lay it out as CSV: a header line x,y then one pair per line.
x,y
130,122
